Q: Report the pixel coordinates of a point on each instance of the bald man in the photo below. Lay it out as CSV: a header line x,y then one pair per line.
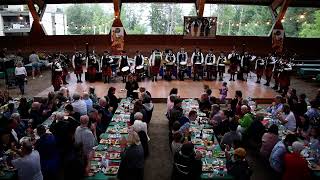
x,y
84,135
246,120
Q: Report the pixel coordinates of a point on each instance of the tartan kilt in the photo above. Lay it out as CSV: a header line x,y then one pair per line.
x,y
154,70
268,71
64,71
284,80
259,71
222,69
233,68
276,75
106,71
197,69
246,69
78,70
92,71
56,80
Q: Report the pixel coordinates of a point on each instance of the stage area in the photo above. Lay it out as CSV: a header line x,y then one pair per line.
x,y
161,88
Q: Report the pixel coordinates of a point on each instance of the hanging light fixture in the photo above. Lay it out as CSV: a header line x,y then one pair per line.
x,y
20,17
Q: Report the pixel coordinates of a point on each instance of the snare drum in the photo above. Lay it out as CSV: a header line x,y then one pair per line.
x,y
139,69
125,71
221,68
183,65
210,67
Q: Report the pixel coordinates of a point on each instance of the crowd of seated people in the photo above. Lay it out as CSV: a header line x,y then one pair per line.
x,y
238,125
43,139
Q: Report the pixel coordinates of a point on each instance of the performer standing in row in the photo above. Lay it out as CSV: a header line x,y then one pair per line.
x,y
124,64
245,66
284,76
233,58
211,65
222,59
276,72
270,61
92,66
138,59
197,61
155,63
56,70
64,65
170,63
259,68
106,61
77,66
182,58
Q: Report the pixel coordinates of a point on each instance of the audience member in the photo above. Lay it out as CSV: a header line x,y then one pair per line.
x,y
113,100
238,166
269,140
276,106
287,118
88,101
246,120
78,104
231,136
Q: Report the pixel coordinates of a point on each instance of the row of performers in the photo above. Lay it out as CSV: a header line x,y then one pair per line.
x,y
179,65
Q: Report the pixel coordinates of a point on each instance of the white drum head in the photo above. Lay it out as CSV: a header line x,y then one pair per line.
x,y
124,69
197,63
221,65
111,61
139,67
210,64
183,63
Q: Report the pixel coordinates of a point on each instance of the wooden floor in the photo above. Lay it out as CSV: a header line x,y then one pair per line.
x,y
161,88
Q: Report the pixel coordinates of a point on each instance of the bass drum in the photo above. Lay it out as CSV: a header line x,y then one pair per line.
x,y
125,71
139,69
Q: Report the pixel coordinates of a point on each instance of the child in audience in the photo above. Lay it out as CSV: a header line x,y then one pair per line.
x,y
223,92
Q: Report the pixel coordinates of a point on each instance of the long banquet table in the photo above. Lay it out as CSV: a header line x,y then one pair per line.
x,y
202,136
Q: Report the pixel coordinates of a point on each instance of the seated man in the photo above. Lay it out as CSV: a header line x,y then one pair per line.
x,y
185,121
175,113
276,106
246,120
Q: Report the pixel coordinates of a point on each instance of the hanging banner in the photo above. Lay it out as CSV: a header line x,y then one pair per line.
x,y
277,40
199,27
117,38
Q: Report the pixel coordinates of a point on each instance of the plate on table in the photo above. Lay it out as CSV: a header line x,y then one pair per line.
x,y
197,141
114,155
99,154
110,141
112,170
124,131
111,130
207,167
207,131
220,155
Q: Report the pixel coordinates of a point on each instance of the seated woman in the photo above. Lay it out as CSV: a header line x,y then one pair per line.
x,y
132,160
287,118
113,100
238,166
204,103
269,139
295,166
147,105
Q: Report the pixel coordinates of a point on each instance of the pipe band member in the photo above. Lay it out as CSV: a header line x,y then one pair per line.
x,y
233,58
155,63
56,71
92,66
170,64
64,65
197,62
138,64
270,63
284,76
77,66
106,61
276,73
259,66
124,63
211,65
182,58
245,66
222,59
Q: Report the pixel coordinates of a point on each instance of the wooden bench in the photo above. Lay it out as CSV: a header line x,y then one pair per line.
x,y
308,72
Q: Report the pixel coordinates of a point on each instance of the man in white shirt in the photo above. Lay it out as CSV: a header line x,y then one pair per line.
x,y
287,118
28,166
88,101
84,136
79,105
139,125
21,75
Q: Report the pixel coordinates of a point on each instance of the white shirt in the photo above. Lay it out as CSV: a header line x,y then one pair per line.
x,y
194,54
291,124
138,126
80,106
209,56
20,71
29,166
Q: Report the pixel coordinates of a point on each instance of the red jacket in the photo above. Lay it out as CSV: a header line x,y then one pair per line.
x,y
295,167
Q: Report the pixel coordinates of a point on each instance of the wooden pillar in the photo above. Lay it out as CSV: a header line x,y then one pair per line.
x,y
277,32
117,41
36,28
200,7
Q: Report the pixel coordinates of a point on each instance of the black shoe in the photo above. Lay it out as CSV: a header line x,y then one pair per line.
x,y
275,87
220,79
258,82
279,91
80,81
230,79
233,79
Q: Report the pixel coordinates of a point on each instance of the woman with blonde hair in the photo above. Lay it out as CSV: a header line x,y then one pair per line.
x,y
21,75
132,161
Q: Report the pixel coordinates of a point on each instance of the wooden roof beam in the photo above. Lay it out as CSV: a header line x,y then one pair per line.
x,y
200,7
